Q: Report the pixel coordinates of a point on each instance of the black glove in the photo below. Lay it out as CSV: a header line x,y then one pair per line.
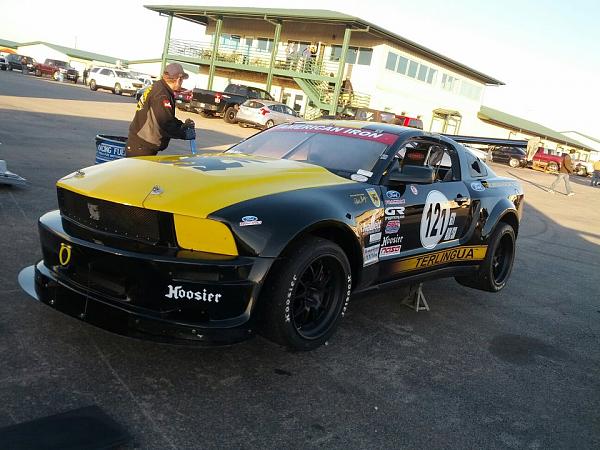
x,y
190,133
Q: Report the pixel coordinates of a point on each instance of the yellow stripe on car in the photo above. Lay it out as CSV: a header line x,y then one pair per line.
x,y
467,253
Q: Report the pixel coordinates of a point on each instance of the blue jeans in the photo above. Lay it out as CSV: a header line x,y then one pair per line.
x,y
564,176
596,178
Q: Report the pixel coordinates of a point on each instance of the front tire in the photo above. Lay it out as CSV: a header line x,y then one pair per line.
x,y
552,167
38,73
55,76
306,295
498,263
269,123
117,90
93,85
229,115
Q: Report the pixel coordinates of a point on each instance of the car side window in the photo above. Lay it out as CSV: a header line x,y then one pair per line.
x,y
275,108
476,168
441,158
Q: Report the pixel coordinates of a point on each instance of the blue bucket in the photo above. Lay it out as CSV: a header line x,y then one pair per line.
x,y
109,148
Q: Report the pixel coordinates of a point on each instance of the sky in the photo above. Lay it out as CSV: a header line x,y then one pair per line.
x,y
547,52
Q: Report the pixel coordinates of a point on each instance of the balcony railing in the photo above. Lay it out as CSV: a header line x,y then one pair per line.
x,y
297,65
251,56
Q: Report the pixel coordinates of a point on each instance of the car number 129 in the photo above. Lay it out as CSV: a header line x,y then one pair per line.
x,y
435,219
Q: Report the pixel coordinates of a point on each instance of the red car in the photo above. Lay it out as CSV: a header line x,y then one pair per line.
x,y
183,99
545,161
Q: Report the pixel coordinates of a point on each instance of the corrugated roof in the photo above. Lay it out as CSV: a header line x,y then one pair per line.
x,y
9,44
317,15
77,53
519,124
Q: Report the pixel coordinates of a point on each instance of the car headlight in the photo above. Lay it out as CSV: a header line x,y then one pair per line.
x,y
204,235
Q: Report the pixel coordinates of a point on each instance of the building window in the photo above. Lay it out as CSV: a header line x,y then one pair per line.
x,y
356,55
470,90
402,65
450,83
422,75
412,69
264,44
431,76
392,59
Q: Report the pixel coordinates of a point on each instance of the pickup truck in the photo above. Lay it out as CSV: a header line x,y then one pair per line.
x,y
225,104
545,162
55,68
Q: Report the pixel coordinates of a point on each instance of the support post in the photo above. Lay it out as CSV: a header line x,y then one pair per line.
x,y
341,67
215,49
165,52
273,55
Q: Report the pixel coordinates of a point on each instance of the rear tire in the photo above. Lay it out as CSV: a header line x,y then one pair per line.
x,y
307,293
38,73
117,90
229,115
93,85
498,263
514,163
552,167
55,76
269,123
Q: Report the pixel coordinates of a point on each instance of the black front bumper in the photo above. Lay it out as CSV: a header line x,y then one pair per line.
x,y
166,298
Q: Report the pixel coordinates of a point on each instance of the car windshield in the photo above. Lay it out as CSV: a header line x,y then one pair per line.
x,y
341,150
59,63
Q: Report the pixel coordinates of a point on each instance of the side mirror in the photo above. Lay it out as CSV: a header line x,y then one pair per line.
x,y
412,174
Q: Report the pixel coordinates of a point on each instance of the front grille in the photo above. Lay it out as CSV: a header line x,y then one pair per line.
x,y
131,222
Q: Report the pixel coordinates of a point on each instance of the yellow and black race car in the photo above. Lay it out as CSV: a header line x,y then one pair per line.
x,y
273,235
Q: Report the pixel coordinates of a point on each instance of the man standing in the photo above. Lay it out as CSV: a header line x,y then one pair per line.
x,y
566,168
596,174
154,123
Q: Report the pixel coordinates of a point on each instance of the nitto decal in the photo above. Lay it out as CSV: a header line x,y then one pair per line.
x,y
390,251
374,197
471,253
392,226
435,219
370,255
250,220
178,292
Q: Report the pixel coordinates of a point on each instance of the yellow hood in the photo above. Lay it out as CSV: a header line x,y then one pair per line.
x,y
195,185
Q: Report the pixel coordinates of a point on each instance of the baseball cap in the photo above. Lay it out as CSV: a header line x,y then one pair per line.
x,y
175,70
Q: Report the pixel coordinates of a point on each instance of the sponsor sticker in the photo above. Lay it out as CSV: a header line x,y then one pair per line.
x,y
374,197
392,195
358,199
391,240
371,135
375,237
399,201
395,211
370,255
357,177
250,220
477,186
371,227
414,189
366,173
435,219
179,293
392,250
392,226
469,253
167,104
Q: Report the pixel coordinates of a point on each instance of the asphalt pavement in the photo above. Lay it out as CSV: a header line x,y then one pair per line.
x,y
517,369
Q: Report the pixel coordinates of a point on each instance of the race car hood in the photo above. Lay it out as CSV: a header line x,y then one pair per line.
x,y
194,185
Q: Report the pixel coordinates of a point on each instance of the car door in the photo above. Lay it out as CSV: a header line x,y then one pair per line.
x,y
288,114
276,114
421,221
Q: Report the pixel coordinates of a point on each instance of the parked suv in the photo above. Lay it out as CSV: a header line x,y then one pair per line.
x,y
3,63
513,156
118,81
16,62
56,68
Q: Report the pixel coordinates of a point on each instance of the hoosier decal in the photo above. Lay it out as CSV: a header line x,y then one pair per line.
x,y
471,253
